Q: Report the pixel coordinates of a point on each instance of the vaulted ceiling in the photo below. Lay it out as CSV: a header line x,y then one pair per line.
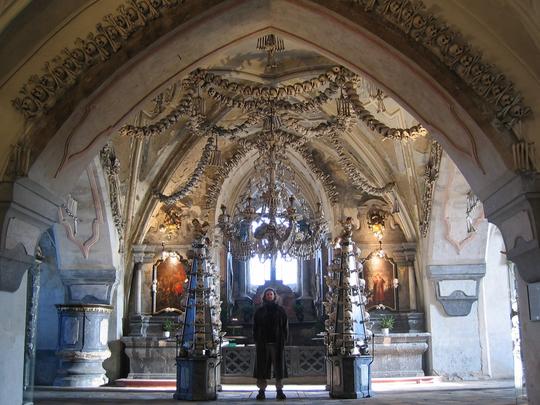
x,y
33,37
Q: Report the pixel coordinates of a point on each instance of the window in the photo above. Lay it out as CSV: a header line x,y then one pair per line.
x,y
273,269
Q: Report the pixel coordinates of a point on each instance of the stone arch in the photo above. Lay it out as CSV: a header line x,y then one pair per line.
x,y
453,120
96,118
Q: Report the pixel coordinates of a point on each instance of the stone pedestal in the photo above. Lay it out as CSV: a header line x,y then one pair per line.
x,y
349,376
83,335
150,357
399,355
196,378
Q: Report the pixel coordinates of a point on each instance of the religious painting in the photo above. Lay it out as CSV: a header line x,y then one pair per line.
x,y
171,277
379,274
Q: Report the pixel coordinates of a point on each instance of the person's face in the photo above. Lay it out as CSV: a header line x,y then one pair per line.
x,y
269,295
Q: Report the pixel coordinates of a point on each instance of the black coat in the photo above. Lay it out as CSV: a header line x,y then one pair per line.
x,y
270,323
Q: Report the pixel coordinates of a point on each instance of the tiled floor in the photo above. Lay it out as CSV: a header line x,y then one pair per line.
x,y
444,393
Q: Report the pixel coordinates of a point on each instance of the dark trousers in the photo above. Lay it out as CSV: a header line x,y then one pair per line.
x,y
271,353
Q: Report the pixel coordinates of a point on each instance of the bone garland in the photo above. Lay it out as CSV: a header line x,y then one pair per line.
x,y
327,128
357,178
251,121
334,78
165,123
325,179
194,179
116,30
449,46
377,126
214,190
249,105
431,174
201,77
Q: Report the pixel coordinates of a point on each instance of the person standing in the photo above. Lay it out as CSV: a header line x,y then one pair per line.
x,y
270,332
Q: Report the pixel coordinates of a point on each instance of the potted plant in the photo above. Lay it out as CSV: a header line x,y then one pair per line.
x,y
168,326
387,323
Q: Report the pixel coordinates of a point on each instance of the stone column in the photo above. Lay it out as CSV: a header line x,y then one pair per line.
x,y
412,287
32,300
26,211
515,208
83,334
136,289
306,276
142,255
306,297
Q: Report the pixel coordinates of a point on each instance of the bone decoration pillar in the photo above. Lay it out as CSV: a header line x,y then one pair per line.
x,y
83,332
197,359
348,359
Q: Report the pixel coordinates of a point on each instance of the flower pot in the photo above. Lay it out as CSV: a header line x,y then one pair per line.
x,y
385,331
166,334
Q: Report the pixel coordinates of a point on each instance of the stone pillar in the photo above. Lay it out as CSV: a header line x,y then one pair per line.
x,y
306,276
136,289
82,344
138,324
32,300
306,298
515,208
26,211
412,287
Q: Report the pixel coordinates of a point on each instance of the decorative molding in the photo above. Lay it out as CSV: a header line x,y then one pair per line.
x,y
457,303
101,308
431,174
111,165
88,290
524,155
450,47
94,237
195,178
223,172
18,163
42,91
325,178
458,245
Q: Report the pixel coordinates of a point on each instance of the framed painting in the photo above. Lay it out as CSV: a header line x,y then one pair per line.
x,y
379,274
168,285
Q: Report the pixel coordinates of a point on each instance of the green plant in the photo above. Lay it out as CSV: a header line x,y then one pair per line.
x,y
168,325
387,321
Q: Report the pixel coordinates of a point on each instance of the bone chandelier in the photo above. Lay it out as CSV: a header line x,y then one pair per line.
x,y
274,114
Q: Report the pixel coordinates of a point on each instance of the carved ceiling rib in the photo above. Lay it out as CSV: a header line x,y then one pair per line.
x,y
260,101
431,175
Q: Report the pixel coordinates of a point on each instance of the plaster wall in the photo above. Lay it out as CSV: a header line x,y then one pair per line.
x,y
494,307
456,349
12,344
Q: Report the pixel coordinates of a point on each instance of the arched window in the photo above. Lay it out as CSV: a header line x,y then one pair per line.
x,y
274,269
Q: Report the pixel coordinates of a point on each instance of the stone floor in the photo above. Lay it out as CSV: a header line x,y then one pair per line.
x,y
444,393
